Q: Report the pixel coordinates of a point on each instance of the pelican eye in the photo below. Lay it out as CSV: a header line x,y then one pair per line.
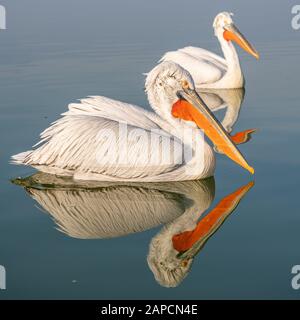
x,y
185,84
184,263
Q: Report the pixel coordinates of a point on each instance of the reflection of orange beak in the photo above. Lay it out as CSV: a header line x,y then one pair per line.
x,y
210,223
243,136
195,110
232,33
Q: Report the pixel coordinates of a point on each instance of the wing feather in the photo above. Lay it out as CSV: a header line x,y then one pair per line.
x,y
204,68
200,53
88,141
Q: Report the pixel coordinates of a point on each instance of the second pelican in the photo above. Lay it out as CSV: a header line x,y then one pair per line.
x,y
210,70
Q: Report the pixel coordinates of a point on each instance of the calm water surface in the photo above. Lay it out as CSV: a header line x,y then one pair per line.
x,y
56,52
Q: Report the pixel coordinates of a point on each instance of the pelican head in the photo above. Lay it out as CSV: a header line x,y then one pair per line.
x,y
165,82
171,93
225,27
168,270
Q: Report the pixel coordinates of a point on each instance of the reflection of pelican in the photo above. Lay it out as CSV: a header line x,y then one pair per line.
x,y
110,209
172,251
86,142
210,70
230,99
106,209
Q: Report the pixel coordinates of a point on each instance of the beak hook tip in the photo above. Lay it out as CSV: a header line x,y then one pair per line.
x,y
251,170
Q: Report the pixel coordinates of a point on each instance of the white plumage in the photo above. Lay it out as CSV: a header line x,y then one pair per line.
x,y
74,145
208,69
205,68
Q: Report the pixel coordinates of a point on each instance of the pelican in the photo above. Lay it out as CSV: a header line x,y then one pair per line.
x,y
87,143
103,210
210,70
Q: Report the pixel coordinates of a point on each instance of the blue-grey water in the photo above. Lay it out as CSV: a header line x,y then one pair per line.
x,y
54,52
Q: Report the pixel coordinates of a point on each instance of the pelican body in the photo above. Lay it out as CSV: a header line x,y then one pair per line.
x,y
210,70
87,143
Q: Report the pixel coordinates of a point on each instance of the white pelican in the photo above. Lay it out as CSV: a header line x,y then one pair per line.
x,y
72,146
210,70
101,210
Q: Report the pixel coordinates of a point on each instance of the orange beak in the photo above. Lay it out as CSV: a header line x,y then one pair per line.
x,y
232,33
243,136
207,226
194,109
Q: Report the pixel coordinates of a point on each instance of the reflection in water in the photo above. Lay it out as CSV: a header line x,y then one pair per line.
x,y
172,251
93,210
231,99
